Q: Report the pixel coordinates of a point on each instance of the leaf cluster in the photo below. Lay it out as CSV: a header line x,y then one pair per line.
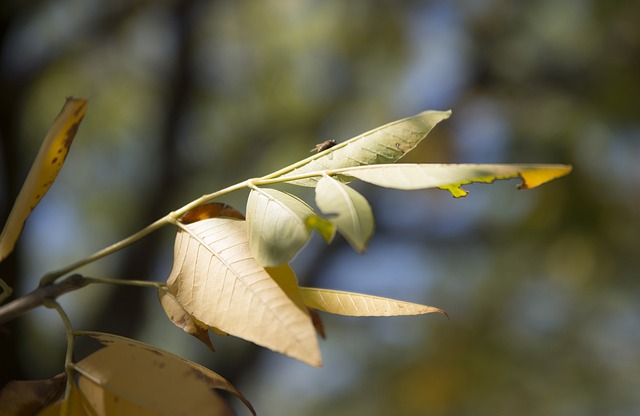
x,y
231,273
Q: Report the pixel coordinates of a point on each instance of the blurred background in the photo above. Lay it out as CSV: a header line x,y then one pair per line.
x,y
189,96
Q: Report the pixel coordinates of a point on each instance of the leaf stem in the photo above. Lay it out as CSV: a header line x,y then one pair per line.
x,y
53,276
170,218
38,296
42,294
173,216
68,359
138,283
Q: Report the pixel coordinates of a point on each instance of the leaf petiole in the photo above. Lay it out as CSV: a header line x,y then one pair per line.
x,y
68,359
139,283
170,218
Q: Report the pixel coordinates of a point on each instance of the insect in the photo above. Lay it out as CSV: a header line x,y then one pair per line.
x,y
327,144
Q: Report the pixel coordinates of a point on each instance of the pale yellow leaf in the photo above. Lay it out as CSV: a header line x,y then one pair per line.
x,y
44,170
276,223
105,402
451,177
286,278
352,213
385,144
73,405
128,377
357,304
217,280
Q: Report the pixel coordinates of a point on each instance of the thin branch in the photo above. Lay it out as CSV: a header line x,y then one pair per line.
x,y
43,294
125,282
37,297
172,217
49,278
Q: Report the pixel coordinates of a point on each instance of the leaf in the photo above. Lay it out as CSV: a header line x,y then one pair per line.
x,y
182,319
27,397
217,280
384,144
276,223
287,280
73,405
452,177
45,168
128,377
356,304
354,217
211,210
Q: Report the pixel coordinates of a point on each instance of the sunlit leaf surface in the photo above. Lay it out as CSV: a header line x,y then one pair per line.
x,y
217,280
385,144
357,304
452,177
277,228
348,210
286,278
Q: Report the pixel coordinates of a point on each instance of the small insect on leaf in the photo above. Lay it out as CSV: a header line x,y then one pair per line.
x,y
320,147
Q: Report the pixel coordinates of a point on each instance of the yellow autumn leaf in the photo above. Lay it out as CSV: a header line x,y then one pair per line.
x,y
286,278
217,280
105,402
128,377
73,405
536,175
357,304
45,168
